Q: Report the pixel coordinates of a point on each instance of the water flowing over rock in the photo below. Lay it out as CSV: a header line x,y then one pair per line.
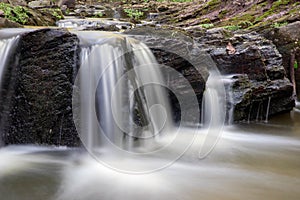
x,y
37,94
175,50
257,77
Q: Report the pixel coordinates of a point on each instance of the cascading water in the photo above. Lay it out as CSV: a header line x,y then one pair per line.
x,y
120,92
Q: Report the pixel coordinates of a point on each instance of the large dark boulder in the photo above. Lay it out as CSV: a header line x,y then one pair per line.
x,y
257,83
287,40
37,95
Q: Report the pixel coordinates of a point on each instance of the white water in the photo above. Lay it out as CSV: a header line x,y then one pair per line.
x,y
6,46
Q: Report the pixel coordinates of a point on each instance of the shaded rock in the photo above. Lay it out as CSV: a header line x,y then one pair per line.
x,y
38,89
43,17
6,23
68,3
93,11
256,70
17,2
287,40
39,4
103,28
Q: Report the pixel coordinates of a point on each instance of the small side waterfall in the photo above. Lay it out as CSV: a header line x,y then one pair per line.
x,y
268,110
213,112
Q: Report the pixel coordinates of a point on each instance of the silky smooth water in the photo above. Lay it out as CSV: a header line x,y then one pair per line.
x,y
251,161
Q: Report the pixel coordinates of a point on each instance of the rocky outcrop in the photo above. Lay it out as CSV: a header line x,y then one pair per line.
x,y
37,94
6,23
254,71
287,40
32,17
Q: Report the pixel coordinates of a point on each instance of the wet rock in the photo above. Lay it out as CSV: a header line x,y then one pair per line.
x,y
38,86
93,11
103,27
287,40
256,70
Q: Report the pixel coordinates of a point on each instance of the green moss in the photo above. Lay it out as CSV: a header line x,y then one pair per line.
x,y
213,3
15,13
276,7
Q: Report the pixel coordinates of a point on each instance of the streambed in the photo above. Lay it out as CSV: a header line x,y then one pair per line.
x,y
250,161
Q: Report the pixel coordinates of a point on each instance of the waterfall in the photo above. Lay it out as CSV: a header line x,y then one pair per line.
x,y
6,47
213,112
118,95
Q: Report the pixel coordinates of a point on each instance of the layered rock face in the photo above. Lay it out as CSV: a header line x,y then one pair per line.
x,y
38,89
287,40
254,72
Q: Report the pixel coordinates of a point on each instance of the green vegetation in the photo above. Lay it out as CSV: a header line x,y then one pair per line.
x,y
56,12
296,64
98,15
277,5
278,25
133,13
232,28
17,14
206,26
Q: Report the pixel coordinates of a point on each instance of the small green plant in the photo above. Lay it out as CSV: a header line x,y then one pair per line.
x,y
278,24
206,26
99,15
15,13
133,13
232,28
296,64
57,13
